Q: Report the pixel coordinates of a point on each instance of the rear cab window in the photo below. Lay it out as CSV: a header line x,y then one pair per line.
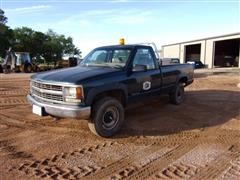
x,y
144,56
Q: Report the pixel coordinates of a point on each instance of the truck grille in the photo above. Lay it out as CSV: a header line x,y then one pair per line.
x,y
47,92
47,96
46,86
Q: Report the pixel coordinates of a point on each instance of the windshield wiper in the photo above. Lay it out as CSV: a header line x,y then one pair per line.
x,y
117,66
104,65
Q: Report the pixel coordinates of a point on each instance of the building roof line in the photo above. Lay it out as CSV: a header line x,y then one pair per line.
x,y
202,39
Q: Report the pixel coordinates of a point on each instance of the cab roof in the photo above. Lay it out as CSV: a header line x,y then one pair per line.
x,y
130,46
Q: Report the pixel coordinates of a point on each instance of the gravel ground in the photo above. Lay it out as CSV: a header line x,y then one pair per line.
x,y
199,139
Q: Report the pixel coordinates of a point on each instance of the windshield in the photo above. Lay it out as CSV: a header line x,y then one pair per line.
x,y
116,58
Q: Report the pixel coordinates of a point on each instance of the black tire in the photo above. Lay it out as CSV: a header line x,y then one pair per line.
x,y
27,68
177,96
6,69
107,117
1,69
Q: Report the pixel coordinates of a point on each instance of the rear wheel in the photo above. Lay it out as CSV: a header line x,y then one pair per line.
x,y
177,96
27,68
107,117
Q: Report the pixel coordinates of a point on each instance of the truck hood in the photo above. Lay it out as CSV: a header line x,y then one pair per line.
x,y
73,75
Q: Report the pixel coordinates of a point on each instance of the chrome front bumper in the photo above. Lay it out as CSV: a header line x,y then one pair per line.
x,y
62,110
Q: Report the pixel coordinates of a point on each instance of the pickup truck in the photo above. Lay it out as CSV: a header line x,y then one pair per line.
x,y
107,80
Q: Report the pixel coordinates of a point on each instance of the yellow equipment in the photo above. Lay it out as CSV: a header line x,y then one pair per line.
x,y
18,62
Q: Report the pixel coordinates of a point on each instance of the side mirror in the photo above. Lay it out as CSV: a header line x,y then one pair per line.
x,y
139,67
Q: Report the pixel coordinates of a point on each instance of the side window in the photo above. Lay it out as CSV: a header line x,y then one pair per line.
x,y
144,57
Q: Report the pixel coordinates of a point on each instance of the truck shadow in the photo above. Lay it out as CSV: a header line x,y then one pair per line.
x,y
201,109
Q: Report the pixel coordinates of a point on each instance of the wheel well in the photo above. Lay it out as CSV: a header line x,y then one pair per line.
x,y
183,80
118,94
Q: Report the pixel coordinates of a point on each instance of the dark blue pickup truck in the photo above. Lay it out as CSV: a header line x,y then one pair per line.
x,y
104,83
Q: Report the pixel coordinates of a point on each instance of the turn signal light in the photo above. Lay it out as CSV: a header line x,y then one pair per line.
x,y
79,94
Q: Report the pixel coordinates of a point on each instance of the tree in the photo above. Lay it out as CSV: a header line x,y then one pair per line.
x,y
6,34
23,39
3,18
50,45
56,46
29,40
70,48
38,39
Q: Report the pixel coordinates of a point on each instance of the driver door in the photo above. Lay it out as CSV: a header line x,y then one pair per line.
x,y
145,81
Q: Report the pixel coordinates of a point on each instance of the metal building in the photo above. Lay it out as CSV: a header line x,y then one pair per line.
x,y
219,51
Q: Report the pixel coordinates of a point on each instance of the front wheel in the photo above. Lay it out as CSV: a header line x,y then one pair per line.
x,y
107,117
177,95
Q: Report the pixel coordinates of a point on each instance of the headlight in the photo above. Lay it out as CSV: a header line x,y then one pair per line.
x,y
73,94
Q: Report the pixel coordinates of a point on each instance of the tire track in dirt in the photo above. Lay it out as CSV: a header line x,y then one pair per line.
x,y
163,161
227,137
43,170
172,139
10,91
13,118
15,86
131,169
190,163
6,107
14,82
20,122
13,101
14,93
12,97
177,171
12,79
233,172
127,161
219,135
11,121
52,168
220,164
170,157
12,150
140,163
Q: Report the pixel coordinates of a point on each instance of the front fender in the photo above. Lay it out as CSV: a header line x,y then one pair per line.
x,y
93,92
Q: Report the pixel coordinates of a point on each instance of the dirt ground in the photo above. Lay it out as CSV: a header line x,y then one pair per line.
x,y
199,139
